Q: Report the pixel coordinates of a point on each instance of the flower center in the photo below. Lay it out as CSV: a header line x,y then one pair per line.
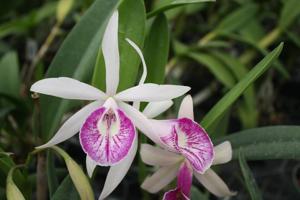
x,y
109,125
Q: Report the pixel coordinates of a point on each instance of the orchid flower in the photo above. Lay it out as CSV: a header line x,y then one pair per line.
x,y
107,126
188,151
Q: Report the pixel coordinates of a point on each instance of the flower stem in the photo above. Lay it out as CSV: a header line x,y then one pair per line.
x,y
42,186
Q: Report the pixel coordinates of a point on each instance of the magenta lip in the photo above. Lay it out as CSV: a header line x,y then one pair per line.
x,y
106,147
191,140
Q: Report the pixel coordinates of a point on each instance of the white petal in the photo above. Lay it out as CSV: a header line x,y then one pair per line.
x,y
152,92
67,88
117,173
153,109
139,52
110,49
161,178
90,166
214,184
186,108
140,121
72,125
156,156
223,153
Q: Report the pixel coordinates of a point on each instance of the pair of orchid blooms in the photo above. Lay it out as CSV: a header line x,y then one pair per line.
x,y
108,136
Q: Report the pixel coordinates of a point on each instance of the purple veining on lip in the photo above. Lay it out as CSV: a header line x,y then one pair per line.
x,y
184,184
103,147
197,146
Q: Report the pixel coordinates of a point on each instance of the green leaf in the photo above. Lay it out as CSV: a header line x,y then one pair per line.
x,y
132,17
290,11
274,142
12,191
217,68
249,101
9,74
66,187
197,194
237,19
51,173
156,50
78,177
249,179
75,58
239,88
164,5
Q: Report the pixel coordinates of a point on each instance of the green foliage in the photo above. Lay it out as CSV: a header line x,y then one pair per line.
x,y
274,142
9,75
66,190
217,68
164,5
249,179
156,50
239,88
78,177
12,191
291,10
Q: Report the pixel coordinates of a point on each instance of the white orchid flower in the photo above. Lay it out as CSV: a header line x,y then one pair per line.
x,y
107,125
189,151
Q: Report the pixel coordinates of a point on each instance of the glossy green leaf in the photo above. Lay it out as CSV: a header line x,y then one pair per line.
x,y
237,19
78,177
75,58
218,69
290,11
239,88
164,5
156,50
274,142
250,182
9,74
66,190
132,19
12,191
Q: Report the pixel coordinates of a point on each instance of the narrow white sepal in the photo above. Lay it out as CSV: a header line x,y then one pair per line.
x,y
223,153
186,108
139,52
214,184
153,109
156,156
67,88
72,125
149,92
117,173
90,166
110,49
161,178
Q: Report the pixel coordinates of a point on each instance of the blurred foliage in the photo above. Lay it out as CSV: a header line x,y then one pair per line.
x,y
210,46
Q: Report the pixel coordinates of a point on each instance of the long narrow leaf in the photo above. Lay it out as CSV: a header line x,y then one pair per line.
x,y
239,88
250,182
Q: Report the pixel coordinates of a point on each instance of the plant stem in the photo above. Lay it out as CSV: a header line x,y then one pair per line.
x,y
208,37
42,187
